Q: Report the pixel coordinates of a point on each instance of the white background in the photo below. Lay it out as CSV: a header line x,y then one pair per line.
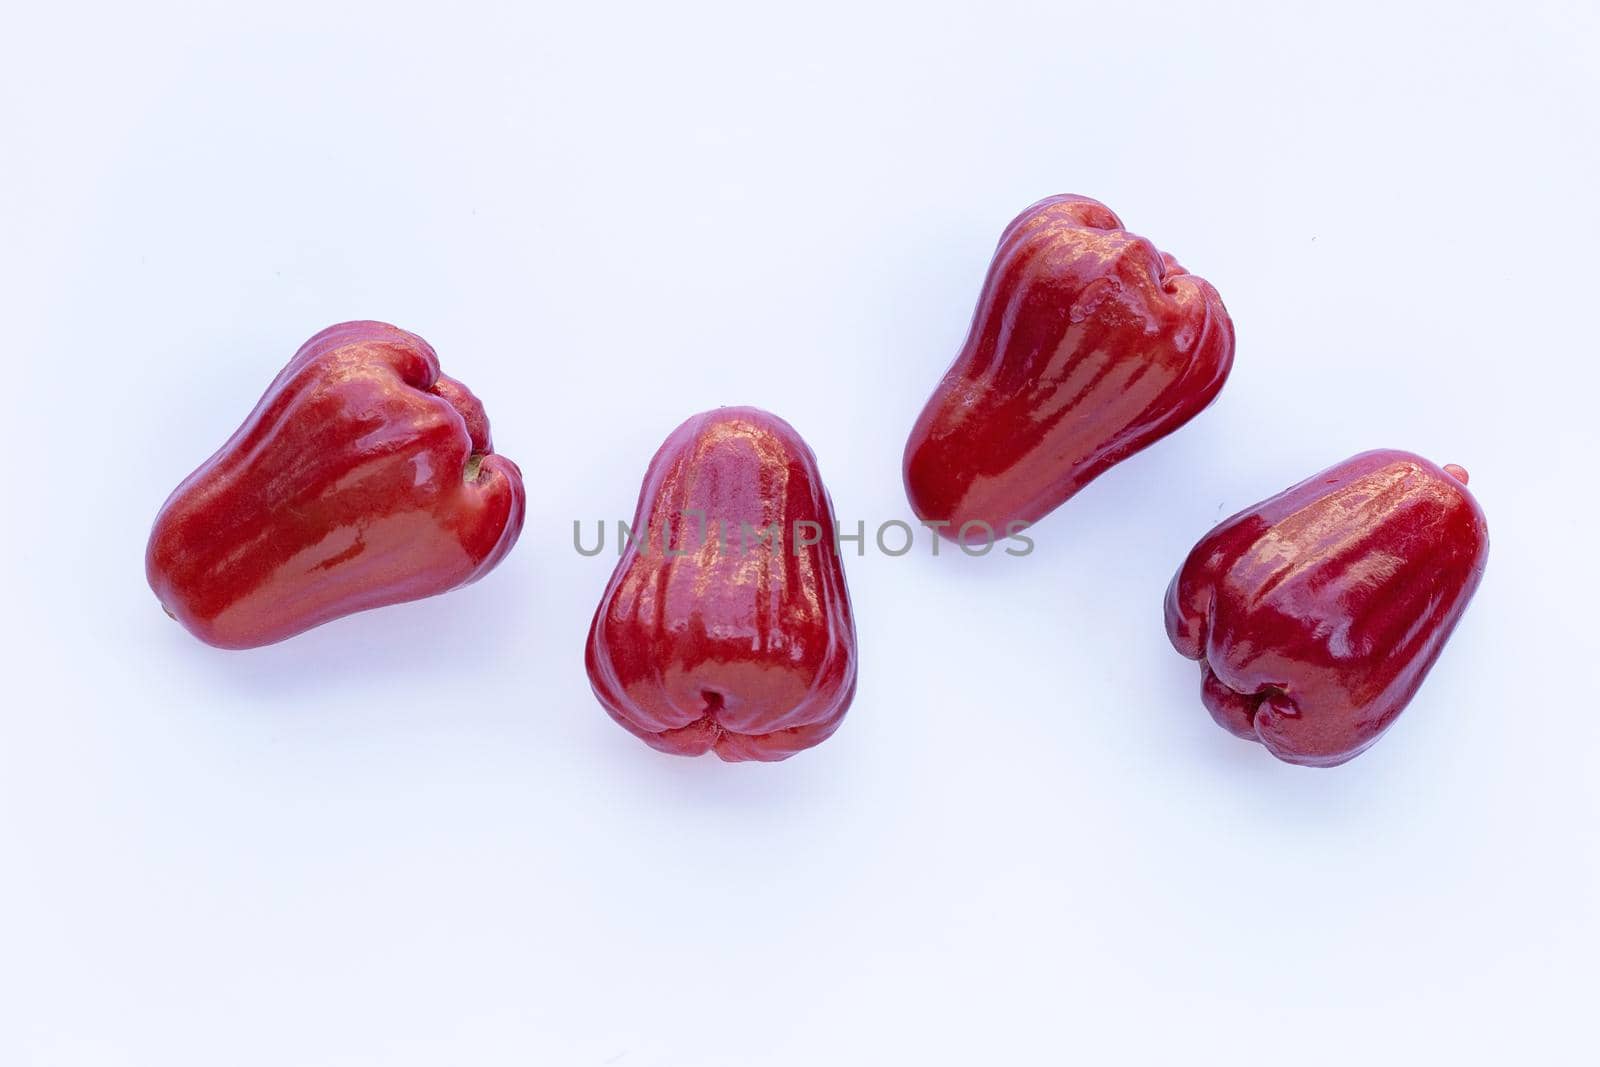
x,y
413,837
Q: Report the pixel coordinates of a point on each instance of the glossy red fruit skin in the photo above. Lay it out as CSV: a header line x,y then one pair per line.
x,y
363,477
1316,615
1087,345
752,657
